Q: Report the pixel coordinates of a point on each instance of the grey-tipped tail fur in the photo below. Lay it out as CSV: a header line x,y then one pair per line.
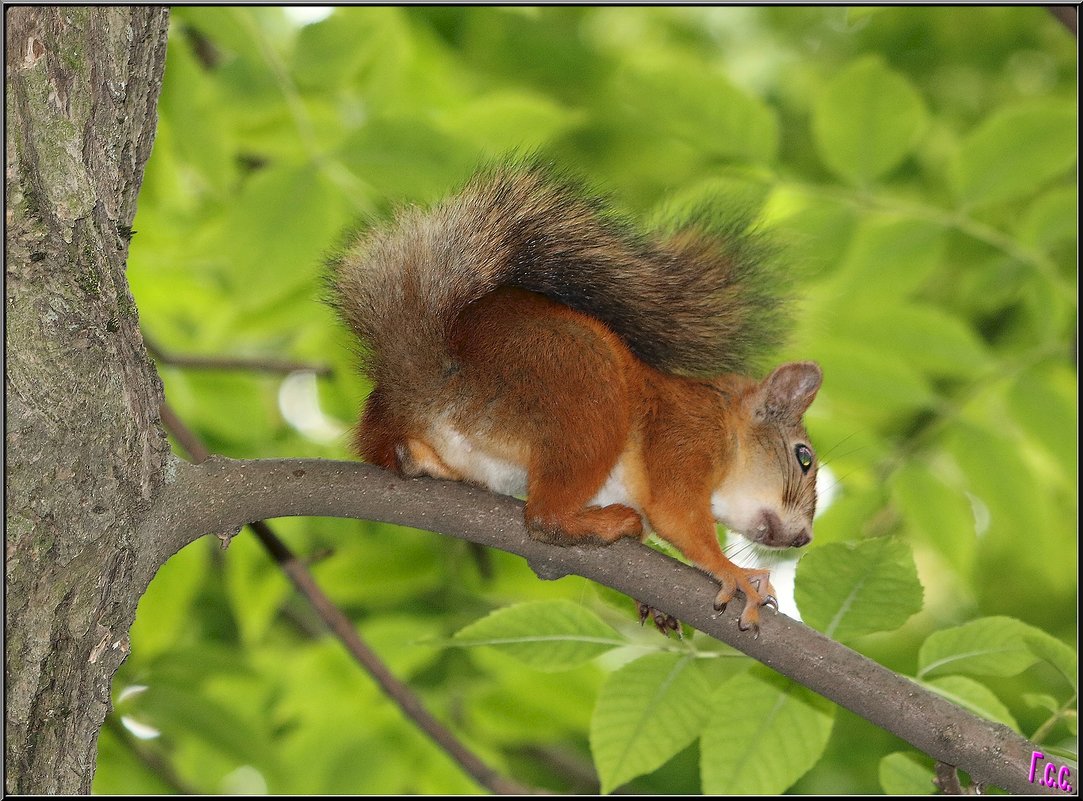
x,y
700,297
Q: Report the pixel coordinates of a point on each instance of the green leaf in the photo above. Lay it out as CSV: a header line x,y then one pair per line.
x,y
406,158
938,514
764,733
547,705
499,122
194,112
1071,720
889,258
847,589
1014,152
867,120
121,770
904,773
332,51
255,586
675,97
1043,403
1011,498
989,646
923,336
1041,700
164,617
647,711
865,386
973,696
175,710
1056,653
546,635
276,232
1051,219
381,568
407,643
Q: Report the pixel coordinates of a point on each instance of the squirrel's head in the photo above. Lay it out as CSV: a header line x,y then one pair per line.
x,y
768,494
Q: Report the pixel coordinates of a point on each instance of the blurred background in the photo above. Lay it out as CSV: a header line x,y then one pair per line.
x,y
917,164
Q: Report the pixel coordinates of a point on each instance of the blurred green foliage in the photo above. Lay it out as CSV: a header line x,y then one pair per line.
x,y
919,164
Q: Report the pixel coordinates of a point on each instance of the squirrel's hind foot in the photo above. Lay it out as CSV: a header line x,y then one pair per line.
x,y
591,526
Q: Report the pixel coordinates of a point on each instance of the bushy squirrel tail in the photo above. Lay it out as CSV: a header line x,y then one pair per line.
x,y
697,298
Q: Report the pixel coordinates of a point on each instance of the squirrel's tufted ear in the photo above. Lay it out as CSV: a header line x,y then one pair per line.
x,y
788,391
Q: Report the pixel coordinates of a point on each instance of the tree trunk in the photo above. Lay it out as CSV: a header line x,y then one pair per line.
x,y
84,451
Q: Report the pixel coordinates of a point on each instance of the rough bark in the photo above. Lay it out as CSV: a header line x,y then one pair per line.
x,y
84,451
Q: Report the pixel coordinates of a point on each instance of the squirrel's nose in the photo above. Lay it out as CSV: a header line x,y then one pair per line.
x,y
804,538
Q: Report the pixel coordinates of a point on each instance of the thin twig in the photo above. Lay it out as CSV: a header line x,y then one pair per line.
x,y
1043,731
353,187
342,627
573,768
150,757
1068,17
947,779
262,365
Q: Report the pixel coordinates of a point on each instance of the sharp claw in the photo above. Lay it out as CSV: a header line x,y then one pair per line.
x,y
720,606
753,627
644,612
672,624
770,600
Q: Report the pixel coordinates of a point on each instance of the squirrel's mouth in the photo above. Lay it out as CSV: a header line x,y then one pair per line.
x,y
768,530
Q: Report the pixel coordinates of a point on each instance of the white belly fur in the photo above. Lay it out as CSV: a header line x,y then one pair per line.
x,y
615,490
477,461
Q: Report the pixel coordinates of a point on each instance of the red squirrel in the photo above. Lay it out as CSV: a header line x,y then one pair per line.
x,y
522,337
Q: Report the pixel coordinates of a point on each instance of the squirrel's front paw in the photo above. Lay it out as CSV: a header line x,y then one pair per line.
x,y
756,587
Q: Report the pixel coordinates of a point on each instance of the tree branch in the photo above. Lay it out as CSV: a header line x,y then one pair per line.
x,y
947,779
343,628
222,494
1068,16
255,364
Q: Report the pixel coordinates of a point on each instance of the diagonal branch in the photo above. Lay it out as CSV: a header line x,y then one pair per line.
x,y
1068,16
393,688
222,494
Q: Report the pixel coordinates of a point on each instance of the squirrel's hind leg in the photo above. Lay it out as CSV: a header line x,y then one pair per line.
x,y
559,487
382,439
418,458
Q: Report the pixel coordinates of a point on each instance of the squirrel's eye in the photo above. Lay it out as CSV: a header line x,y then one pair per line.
x,y
804,457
